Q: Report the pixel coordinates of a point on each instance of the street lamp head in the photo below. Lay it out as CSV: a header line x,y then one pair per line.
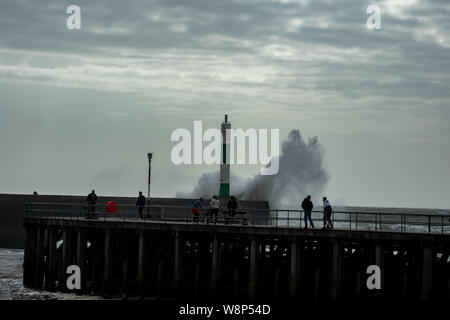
x,y
149,155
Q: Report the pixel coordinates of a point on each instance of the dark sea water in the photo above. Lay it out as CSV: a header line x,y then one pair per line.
x,y
11,287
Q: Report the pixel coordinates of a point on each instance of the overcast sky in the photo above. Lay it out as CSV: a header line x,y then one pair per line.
x,y
80,109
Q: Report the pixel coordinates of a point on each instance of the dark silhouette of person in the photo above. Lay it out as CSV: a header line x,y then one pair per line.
x,y
307,207
140,202
91,200
232,205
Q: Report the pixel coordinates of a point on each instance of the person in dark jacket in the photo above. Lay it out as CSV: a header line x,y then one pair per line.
x,y
91,200
307,207
140,202
232,205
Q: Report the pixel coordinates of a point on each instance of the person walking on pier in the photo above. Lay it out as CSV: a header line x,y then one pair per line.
x,y
196,209
327,211
214,204
140,202
307,207
91,200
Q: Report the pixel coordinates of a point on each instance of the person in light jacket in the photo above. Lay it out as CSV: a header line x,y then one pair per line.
x,y
215,205
327,211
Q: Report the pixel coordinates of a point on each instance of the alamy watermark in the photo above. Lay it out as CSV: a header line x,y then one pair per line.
x,y
374,280
374,20
213,153
74,20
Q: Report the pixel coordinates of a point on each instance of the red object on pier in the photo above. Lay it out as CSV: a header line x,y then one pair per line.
x,y
111,207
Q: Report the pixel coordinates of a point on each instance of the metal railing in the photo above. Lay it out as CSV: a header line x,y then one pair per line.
x,y
275,218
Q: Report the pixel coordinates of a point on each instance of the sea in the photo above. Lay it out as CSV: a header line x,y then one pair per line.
x,y
11,287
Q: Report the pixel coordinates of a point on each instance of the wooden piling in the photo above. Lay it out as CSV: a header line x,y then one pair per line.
x,y
215,266
317,284
197,281
39,271
29,258
336,269
177,264
427,269
253,268
107,265
276,285
51,275
160,280
141,264
125,279
294,268
379,261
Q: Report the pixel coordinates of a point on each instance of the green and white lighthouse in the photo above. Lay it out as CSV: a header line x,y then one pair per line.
x,y
225,164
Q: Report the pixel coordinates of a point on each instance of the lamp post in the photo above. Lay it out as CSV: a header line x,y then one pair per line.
x,y
149,155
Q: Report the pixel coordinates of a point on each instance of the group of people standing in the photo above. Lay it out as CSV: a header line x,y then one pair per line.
x,y
211,213
308,206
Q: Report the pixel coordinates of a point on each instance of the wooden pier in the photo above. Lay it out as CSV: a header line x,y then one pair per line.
x,y
199,262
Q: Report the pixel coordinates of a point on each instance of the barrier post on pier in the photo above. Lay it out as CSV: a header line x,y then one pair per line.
x,y
427,268
215,266
253,277
141,263
50,284
295,267
107,265
81,257
336,269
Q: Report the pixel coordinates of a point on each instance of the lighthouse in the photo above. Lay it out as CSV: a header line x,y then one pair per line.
x,y
225,165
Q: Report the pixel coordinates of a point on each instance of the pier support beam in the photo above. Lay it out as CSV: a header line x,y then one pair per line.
x,y
141,263
379,261
160,280
51,275
317,285
29,259
177,264
236,283
336,269
253,268
276,285
39,271
197,281
427,268
295,267
215,266
66,256
107,265
81,258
